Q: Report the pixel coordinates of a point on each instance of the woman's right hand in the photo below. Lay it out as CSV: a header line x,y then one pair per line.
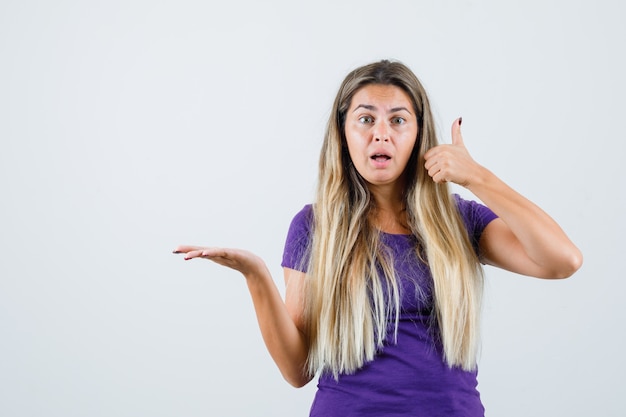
x,y
240,260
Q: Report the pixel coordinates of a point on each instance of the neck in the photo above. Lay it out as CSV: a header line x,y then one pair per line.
x,y
390,213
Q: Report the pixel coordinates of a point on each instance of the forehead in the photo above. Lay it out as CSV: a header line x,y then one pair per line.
x,y
381,96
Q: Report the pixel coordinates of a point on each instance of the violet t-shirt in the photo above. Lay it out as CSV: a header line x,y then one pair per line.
x,y
410,377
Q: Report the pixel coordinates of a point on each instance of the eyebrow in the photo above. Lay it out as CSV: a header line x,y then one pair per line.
x,y
370,107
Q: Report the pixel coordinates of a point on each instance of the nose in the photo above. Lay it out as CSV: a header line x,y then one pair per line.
x,y
381,132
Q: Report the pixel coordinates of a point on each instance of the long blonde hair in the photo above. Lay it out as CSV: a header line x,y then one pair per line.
x,y
349,303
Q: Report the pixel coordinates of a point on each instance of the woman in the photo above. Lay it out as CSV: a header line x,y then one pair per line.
x,y
383,272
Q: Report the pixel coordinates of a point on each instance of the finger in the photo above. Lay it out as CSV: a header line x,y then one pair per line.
x,y
429,164
430,154
457,138
434,172
215,253
185,248
436,177
193,254
441,177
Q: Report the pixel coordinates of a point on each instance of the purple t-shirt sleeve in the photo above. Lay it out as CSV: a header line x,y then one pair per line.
x,y
476,217
296,252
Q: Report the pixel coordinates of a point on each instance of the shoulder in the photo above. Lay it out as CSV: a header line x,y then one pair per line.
x,y
298,239
305,215
474,214
302,222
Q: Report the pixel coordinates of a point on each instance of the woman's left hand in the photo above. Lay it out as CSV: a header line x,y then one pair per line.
x,y
452,163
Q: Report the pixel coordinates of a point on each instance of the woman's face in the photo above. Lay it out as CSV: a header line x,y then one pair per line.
x,y
381,131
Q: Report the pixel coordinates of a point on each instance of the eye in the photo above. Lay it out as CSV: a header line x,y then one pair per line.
x,y
366,119
398,120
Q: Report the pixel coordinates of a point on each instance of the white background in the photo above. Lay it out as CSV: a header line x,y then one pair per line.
x,y
129,127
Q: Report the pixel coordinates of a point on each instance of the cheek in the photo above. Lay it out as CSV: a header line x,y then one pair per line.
x,y
414,143
356,160
409,146
408,152
353,146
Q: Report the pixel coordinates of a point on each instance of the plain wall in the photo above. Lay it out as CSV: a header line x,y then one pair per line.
x,y
129,127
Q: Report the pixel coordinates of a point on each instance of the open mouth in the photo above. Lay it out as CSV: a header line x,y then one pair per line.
x,y
379,157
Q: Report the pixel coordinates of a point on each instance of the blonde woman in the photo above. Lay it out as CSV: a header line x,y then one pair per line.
x,y
383,271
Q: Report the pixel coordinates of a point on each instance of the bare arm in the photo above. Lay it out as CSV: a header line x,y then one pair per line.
x,y
524,239
285,342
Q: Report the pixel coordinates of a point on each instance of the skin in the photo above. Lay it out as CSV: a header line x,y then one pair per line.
x,y
524,239
381,120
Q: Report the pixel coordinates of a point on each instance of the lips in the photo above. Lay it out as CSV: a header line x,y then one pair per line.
x,y
380,160
380,157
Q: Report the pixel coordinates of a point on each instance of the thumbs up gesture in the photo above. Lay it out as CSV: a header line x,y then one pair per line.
x,y
452,163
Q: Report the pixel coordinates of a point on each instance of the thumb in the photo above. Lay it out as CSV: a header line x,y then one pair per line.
x,y
457,138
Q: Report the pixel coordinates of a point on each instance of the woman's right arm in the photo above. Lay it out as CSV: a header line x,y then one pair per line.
x,y
280,321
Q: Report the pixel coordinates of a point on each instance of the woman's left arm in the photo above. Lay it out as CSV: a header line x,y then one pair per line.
x,y
524,239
